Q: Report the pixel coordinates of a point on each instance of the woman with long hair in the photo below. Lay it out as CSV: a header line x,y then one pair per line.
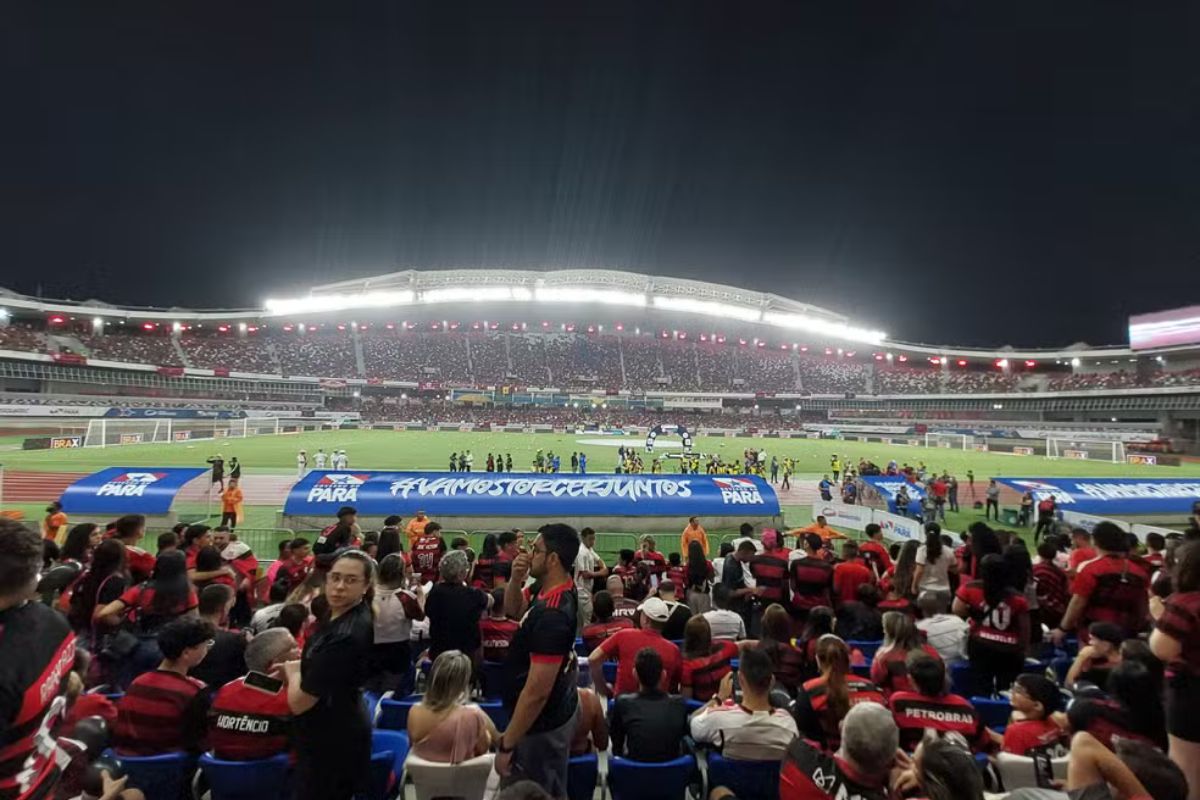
x,y
998,625
822,703
104,581
484,574
982,542
444,727
901,638
81,541
787,660
898,585
396,608
389,542
323,686
944,769
698,577
935,564
1133,708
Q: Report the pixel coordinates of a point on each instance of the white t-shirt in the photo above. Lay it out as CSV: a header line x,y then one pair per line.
x,y
946,633
936,577
726,624
585,560
301,459
320,459
710,721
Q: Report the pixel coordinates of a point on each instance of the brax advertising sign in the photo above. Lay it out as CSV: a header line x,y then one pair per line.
x,y
127,490
322,493
1109,496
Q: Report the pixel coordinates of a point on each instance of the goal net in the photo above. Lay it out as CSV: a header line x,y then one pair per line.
x,y
1086,449
112,432
952,441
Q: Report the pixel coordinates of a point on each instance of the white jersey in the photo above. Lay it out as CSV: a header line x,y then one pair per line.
x,y
301,460
320,459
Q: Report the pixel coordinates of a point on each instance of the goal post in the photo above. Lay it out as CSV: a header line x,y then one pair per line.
x,y
113,432
1086,449
951,441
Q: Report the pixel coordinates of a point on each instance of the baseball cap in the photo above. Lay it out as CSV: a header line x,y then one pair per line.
x,y
656,609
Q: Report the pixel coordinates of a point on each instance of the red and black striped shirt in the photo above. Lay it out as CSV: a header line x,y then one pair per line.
x,y
788,663
595,633
247,724
161,712
703,675
812,583
1052,586
770,571
1117,590
916,713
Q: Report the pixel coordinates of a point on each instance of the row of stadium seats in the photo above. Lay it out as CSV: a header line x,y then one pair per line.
x,y
565,360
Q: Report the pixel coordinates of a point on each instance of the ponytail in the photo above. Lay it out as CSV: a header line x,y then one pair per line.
x,y
834,657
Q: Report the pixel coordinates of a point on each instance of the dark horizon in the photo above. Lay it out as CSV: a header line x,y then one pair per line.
x,y
972,176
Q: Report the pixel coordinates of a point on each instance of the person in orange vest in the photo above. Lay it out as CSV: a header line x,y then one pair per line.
x,y
820,528
693,533
54,525
231,504
416,528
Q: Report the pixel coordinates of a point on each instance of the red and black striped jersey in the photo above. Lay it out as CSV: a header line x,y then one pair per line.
x,y
1117,590
246,724
703,675
37,651
811,583
809,774
916,713
770,571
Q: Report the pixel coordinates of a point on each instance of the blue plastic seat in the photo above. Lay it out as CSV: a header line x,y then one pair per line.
x,y
758,779
395,741
496,711
634,780
265,779
393,714
379,780
581,649
159,777
867,648
370,703
694,705
582,774
995,712
610,671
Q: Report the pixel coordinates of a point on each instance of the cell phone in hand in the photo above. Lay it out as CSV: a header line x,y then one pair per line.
x,y
264,683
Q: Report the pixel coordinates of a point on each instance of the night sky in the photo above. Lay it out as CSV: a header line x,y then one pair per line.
x,y
964,173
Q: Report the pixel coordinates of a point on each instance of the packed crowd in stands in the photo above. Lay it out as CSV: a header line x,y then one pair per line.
x,y
573,361
321,355
799,665
226,352
157,349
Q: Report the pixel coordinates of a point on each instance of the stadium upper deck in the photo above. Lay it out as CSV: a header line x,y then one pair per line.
x,y
571,330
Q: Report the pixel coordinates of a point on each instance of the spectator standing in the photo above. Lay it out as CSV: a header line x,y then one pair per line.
x,y
588,567
37,649
874,552
323,687
810,581
497,631
54,524
103,582
770,570
724,623
165,710
427,552
1176,641
454,609
1081,551
850,574
1114,587
1051,585
415,528
396,608
252,721
541,695
698,579
694,532
998,618
935,565
129,530
648,725
733,578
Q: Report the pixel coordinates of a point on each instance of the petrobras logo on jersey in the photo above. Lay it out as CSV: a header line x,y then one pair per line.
x,y
336,488
129,484
633,490
738,491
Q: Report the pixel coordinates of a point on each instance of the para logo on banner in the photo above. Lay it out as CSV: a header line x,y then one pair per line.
x,y
336,488
738,491
129,484
1140,459
64,442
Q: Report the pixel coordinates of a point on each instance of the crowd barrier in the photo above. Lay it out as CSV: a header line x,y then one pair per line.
x,y
1089,521
855,518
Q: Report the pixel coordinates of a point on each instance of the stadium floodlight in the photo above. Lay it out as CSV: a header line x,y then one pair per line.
x,y
708,307
338,302
459,294
612,297
836,330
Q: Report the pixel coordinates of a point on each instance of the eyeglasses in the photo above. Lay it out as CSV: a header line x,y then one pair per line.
x,y
344,580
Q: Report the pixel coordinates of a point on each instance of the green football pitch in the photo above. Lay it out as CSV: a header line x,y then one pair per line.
x,y
427,450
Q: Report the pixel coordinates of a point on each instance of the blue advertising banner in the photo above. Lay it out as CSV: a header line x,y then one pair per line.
x,y
172,413
1110,496
322,492
888,487
127,490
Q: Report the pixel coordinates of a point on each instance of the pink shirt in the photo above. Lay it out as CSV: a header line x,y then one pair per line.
x,y
457,738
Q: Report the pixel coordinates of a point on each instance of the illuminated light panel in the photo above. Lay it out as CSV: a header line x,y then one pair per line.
x,y
477,294
836,330
561,294
709,307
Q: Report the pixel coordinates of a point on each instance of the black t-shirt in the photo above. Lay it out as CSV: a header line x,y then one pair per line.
x,y
37,650
336,662
453,611
648,726
547,634
680,614
225,660
734,578
859,622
